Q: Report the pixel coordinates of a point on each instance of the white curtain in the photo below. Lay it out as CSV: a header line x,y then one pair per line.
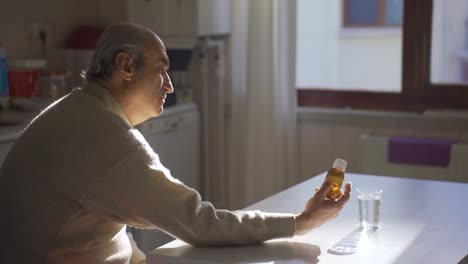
x,y
262,135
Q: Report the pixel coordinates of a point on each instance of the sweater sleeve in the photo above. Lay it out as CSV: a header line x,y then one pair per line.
x,y
140,191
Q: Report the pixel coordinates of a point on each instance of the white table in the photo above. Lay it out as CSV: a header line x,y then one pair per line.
x,y
422,222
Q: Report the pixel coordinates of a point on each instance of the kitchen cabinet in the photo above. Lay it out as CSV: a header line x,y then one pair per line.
x,y
180,22
174,136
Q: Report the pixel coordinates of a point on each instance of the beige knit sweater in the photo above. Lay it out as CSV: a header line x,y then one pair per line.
x,y
80,173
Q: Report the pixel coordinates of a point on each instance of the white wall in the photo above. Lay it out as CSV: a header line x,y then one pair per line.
x,y
370,61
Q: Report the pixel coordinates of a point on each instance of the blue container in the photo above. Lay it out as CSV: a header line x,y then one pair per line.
x,y
3,73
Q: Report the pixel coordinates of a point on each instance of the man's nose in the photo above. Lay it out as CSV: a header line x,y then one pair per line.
x,y
168,84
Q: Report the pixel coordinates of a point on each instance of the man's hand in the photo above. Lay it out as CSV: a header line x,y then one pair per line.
x,y
320,209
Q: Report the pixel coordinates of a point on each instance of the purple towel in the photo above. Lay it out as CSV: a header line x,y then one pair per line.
x,y
419,151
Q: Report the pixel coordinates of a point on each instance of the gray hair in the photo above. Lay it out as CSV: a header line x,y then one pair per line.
x,y
120,37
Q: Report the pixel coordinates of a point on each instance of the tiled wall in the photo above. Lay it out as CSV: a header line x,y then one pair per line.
x,y
62,17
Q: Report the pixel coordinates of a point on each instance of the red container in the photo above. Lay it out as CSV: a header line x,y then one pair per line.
x,y
84,37
22,83
22,77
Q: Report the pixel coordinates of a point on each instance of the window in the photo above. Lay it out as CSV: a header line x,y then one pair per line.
x,y
449,49
372,13
433,67
335,58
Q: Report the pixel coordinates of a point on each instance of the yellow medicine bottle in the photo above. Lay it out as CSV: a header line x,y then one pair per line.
x,y
336,173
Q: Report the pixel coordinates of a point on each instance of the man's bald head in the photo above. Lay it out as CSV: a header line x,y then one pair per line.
x,y
120,37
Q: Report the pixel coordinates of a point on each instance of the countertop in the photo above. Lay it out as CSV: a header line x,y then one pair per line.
x,y
13,122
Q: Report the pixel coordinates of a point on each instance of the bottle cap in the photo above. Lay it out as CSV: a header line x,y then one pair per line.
x,y
340,164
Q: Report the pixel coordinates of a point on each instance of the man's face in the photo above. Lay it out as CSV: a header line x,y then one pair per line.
x,y
152,81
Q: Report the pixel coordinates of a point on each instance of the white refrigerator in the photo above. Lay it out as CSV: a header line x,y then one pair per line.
x,y
209,69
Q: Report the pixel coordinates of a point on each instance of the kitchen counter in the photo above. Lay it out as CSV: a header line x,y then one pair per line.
x,y
12,124
422,222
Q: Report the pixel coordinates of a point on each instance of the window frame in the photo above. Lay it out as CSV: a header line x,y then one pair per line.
x,y
380,23
418,93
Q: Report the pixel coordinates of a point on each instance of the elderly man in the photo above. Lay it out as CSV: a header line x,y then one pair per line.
x,y
81,172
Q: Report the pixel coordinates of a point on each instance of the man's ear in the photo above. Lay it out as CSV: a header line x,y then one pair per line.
x,y
124,66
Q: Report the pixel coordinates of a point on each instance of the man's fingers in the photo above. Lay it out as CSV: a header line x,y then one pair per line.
x,y
339,194
348,187
326,186
346,195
